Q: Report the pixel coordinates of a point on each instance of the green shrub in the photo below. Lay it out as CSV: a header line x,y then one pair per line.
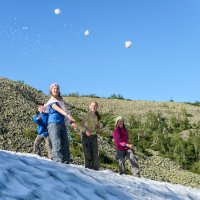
x,y
29,133
116,96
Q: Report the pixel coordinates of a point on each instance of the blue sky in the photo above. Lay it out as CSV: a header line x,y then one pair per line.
x,y
39,47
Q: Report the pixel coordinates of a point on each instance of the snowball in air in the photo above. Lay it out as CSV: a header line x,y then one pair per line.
x,y
128,44
57,11
87,33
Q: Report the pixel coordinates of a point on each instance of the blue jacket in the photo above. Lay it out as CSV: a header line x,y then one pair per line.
x,y
41,124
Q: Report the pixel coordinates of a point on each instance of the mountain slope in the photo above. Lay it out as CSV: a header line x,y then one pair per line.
x,y
17,106
138,108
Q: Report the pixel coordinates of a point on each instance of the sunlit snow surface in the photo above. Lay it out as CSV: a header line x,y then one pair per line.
x,y
27,176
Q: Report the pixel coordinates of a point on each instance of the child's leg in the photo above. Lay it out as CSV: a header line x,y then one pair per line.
x,y
36,145
94,153
134,163
48,146
87,152
120,156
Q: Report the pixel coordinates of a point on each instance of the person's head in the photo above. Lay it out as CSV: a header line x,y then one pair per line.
x,y
54,90
40,107
93,106
119,122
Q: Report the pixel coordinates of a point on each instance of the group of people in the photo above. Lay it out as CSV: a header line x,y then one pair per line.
x,y
52,119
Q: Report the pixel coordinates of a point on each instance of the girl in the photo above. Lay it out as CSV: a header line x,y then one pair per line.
x,y
123,148
90,130
58,115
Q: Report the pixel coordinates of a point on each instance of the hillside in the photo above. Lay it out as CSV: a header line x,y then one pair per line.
x,y
17,131
138,108
17,106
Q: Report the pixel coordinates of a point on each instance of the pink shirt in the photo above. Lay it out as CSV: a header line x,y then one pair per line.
x,y
120,136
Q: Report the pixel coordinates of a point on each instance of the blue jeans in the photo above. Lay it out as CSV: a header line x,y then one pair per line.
x,y
60,142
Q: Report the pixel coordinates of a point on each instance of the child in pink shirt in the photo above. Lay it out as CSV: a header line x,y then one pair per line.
x,y
123,148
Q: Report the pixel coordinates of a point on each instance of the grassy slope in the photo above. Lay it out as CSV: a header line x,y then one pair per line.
x,y
17,106
138,108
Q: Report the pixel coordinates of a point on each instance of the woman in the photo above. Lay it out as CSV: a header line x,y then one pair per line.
x,y
90,130
58,115
123,148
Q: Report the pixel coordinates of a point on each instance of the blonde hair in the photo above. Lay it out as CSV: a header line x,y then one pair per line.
x,y
97,113
119,118
94,102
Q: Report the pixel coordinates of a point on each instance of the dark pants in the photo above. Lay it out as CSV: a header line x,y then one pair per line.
x,y
60,142
121,157
90,149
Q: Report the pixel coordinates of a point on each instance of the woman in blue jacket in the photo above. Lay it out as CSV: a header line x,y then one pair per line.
x,y
41,119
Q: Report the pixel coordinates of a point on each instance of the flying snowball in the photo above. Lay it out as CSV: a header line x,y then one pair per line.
x,y
128,44
57,11
87,33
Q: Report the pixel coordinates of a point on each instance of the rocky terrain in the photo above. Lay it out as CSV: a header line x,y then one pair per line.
x,y
17,106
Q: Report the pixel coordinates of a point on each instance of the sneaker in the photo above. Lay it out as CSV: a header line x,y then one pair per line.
x,y
68,161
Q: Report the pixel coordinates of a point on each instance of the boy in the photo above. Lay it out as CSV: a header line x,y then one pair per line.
x,y
41,119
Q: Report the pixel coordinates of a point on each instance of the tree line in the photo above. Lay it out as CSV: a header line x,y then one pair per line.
x,y
175,138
